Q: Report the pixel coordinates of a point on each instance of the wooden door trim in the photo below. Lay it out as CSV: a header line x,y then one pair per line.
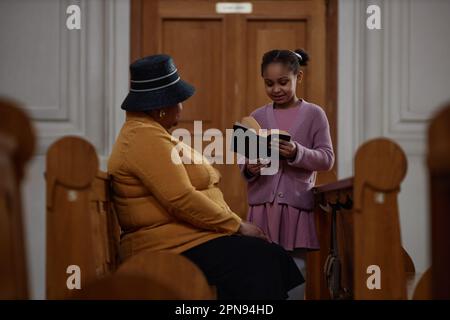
x,y
331,58
135,29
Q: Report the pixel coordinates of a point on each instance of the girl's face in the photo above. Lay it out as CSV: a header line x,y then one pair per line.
x,y
280,82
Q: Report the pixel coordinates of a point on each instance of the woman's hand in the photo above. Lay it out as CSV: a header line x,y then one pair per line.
x,y
250,230
287,149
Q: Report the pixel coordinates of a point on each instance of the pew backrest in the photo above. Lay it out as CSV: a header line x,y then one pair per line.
x,y
368,228
438,161
380,167
16,149
83,232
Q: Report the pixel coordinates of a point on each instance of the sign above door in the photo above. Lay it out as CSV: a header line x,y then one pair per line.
x,y
234,7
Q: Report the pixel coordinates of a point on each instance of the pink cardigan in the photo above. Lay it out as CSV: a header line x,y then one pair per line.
x,y
294,180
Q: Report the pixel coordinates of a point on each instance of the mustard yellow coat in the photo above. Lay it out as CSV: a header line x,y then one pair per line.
x,y
162,205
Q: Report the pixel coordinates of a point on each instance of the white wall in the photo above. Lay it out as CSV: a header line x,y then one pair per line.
x,y
390,83
72,83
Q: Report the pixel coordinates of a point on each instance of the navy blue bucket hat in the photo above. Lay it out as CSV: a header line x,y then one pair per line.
x,y
155,84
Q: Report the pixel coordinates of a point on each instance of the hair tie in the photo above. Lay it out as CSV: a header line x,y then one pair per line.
x,y
298,55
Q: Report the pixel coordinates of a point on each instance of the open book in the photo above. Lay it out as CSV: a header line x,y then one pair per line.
x,y
253,142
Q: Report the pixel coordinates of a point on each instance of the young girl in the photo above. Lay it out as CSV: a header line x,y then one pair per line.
x,y
281,204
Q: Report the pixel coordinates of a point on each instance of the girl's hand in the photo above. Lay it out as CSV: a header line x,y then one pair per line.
x,y
287,149
250,230
254,169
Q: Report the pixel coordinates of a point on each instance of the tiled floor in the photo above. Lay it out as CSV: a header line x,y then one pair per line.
x,y
298,292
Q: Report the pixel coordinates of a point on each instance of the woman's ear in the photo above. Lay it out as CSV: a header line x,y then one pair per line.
x,y
151,113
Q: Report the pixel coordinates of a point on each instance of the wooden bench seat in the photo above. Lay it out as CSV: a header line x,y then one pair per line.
x,y
367,226
438,163
83,230
17,141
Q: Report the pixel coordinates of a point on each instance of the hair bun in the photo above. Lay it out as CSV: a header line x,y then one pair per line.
x,y
304,57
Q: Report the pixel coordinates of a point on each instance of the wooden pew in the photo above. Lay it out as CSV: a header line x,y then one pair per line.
x,y
436,281
367,227
17,141
82,230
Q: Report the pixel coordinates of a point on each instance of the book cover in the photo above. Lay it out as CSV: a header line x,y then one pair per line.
x,y
252,142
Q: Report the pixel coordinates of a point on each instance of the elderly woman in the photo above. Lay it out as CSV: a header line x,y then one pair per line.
x,y
166,205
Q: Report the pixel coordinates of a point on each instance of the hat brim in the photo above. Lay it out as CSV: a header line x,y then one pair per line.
x,y
157,99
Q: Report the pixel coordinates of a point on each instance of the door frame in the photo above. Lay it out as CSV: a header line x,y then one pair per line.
x,y
143,27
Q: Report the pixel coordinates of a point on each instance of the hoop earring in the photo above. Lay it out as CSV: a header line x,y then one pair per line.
x,y
162,114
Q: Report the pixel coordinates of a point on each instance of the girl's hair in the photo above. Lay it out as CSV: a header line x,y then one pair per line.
x,y
292,59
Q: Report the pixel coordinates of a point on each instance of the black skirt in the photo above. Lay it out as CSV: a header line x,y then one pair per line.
x,y
246,268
